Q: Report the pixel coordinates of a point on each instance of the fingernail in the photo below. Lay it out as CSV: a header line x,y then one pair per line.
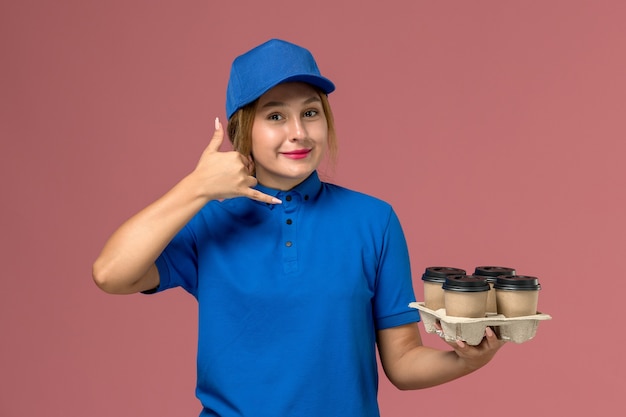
x,y
276,201
217,123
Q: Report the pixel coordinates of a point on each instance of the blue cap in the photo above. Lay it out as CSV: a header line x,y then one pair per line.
x,y
267,65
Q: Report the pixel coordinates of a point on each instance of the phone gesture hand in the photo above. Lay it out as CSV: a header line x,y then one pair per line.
x,y
227,174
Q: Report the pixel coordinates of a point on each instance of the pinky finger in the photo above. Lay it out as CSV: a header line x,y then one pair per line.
x,y
259,196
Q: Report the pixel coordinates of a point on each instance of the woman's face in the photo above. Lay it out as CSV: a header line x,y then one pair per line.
x,y
289,135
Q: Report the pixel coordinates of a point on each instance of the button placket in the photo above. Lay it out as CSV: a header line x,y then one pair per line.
x,y
290,253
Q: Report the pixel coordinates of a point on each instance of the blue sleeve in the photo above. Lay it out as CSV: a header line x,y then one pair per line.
x,y
394,285
178,263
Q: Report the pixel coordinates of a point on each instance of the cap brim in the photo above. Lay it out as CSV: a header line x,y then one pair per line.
x,y
320,82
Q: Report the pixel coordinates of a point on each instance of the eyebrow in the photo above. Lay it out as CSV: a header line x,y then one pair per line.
x,y
312,99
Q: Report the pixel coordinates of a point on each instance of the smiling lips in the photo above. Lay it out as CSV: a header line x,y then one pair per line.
x,y
297,154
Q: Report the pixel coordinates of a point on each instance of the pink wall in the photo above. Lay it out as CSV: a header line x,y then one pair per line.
x,y
495,128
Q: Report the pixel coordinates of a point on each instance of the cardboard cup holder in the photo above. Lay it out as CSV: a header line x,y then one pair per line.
x,y
472,330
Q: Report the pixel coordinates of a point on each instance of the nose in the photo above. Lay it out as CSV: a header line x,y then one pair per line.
x,y
297,130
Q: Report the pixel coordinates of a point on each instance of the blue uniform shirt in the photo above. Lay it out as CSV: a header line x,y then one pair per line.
x,y
290,297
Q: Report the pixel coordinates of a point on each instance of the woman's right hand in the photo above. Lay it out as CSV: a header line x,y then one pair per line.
x,y
126,263
222,175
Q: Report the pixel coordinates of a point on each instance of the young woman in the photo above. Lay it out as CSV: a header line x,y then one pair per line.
x,y
297,280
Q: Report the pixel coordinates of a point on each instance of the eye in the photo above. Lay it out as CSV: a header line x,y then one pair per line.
x,y
311,113
275,117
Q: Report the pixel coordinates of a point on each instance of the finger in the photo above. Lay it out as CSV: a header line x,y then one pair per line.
x,y
259,196
218,137
489,333
492,338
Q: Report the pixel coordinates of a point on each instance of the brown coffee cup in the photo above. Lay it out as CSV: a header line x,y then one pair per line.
x,y
490,273
434,278
465,296
517,295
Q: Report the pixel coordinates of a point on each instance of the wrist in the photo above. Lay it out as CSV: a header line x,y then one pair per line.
x,y
195,187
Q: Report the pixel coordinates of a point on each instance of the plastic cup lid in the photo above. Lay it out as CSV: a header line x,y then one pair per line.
x,y
466,283
493,271
517,283
439,273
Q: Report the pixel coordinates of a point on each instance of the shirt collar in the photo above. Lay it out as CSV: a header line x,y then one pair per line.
x,y
309,188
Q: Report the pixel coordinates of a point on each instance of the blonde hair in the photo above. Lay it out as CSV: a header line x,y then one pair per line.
x,y
240,128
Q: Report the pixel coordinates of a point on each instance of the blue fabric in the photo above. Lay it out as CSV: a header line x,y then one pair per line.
x,y
267,65
288,329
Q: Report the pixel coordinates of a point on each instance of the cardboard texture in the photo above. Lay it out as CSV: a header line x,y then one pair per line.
x,y
472,330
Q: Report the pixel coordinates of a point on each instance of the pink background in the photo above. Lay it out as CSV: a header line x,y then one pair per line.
x,y
495,128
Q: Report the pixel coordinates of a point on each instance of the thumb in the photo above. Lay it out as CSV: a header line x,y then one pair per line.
x,y
218,137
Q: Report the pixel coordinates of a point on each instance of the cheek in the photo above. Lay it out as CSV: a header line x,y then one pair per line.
x,y
268,133
262,138
321,135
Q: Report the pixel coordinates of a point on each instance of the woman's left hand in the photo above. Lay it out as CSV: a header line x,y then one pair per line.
x,y
477,356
